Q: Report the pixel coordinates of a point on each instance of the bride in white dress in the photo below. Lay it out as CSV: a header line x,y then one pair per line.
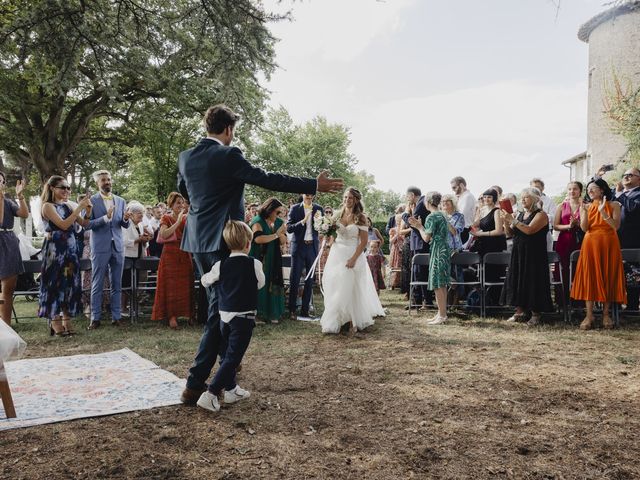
x,y
349,293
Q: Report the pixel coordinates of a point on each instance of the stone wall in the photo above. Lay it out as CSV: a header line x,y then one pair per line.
x,y
614,48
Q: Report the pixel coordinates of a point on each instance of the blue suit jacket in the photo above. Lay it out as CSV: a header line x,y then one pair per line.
x,y
296,215
629,231
103,233
415,241
212,177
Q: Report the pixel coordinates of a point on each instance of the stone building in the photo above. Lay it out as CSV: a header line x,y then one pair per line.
x,y
614,51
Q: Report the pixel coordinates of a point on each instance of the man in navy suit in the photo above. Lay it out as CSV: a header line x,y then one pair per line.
x,y
212,176
304,250
628,194
415,199
108,218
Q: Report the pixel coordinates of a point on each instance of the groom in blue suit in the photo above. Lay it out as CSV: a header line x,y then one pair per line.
x,y
212,176
304,250
108,218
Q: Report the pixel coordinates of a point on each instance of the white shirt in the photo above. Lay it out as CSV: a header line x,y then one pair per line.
x,y
548,207
308,233
213,276
467,207
129,237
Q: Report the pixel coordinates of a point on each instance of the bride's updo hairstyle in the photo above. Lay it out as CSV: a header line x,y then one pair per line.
x,y
432,198
358,207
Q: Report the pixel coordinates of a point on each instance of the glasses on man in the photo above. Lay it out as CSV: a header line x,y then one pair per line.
x,y
64,187
630,175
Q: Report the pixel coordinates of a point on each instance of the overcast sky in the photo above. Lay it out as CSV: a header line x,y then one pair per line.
x,y
493,90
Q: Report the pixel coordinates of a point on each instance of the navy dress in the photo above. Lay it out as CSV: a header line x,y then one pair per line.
x,y
60,285
10,260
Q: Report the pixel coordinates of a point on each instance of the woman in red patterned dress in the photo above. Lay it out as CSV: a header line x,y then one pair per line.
x,y
175,274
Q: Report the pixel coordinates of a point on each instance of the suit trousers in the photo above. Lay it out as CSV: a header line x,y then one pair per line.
x,y
209,346
100,262
235,339
302,260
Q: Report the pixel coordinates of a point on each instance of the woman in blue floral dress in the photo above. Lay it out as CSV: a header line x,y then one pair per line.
x,y
60,286
436,231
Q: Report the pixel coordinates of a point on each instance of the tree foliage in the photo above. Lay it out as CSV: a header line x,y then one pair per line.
x,y
307,149
622,105
66,64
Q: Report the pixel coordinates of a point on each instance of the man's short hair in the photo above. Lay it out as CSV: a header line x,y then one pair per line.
x,y
237,234
458,181
97,174
218,118
537,180
415,190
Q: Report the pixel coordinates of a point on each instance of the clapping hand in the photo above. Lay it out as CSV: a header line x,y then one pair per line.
x,y
181,215
506,216
415,223
20,184
127,215
282,230
85,203
110,213
602,205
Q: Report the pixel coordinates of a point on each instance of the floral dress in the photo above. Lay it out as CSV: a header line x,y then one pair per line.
x,y
440,252
60,285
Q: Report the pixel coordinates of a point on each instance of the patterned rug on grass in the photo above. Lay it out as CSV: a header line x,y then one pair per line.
x,y
49,390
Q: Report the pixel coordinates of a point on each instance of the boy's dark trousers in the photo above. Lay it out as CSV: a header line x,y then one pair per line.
x,y
235,338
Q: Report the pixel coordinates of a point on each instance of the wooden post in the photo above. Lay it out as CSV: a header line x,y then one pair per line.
x,y
5,393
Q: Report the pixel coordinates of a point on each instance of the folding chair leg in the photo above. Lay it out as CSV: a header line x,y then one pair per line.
x,y
5,393
410,297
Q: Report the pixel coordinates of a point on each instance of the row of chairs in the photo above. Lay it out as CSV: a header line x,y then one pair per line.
x,y
143,279
474,261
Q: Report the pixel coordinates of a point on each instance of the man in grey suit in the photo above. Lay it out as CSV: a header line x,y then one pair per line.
x,y
108,218
212,176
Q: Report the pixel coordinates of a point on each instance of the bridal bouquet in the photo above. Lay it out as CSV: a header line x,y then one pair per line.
x,y
325,226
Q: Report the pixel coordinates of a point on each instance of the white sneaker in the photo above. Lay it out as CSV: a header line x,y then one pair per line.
x,y
236,395
437,320
209,401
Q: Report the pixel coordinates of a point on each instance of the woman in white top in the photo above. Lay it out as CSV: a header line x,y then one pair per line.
x,y
349,293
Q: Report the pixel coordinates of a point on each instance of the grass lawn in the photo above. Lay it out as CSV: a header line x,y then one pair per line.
x,y
468,399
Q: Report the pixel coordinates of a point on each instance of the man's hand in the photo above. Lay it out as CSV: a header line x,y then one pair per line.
x,y
126,216
110,212
329,185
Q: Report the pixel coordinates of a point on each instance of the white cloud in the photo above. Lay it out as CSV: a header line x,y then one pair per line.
x,y
336,30
504,134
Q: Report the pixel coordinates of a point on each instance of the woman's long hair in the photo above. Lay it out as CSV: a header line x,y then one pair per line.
x,y
47,191
604,186
358,207
268,207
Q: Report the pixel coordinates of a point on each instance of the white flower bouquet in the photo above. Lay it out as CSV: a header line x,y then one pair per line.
x,y
325,225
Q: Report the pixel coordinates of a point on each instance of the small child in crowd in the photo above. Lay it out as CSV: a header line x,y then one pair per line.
x,y
239,278
376,264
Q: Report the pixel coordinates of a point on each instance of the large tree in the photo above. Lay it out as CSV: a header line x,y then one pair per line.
x,y
66,63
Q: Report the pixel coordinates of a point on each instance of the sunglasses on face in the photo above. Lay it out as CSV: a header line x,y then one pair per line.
x,y
64,187
629,175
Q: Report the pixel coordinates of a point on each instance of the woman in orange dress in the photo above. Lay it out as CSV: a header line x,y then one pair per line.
x,y
599,274
174,291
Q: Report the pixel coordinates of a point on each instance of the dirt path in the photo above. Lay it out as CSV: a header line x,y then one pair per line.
x,y
463,400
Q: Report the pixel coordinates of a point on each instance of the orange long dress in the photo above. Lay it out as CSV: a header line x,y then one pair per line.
x,y
599,273
175,287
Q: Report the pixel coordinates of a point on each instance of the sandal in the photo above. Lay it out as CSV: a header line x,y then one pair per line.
x,y
60,331
516,317
173,323
66,323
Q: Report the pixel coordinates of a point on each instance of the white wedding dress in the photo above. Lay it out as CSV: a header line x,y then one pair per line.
x,y
349,293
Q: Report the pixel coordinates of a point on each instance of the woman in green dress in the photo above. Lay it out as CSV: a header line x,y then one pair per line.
x,y
436,231
269,233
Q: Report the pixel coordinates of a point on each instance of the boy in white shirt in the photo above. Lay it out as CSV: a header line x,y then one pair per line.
x,y
238,278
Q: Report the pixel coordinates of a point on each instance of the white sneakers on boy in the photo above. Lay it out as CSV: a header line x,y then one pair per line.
x,y
236,395
209,401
